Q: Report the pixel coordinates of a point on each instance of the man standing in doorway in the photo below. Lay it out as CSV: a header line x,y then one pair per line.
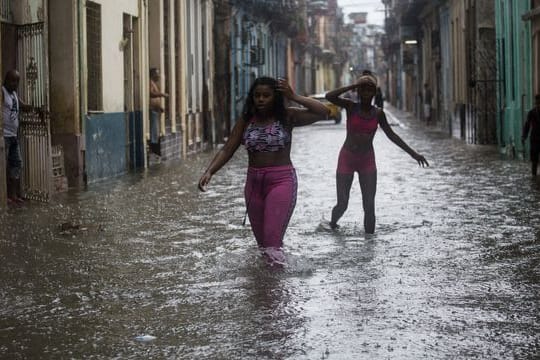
x,y
533,124
427,104
155,111
10,111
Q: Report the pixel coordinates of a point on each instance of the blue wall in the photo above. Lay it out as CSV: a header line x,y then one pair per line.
x,y
106,145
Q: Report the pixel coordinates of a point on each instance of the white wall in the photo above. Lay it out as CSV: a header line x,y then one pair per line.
x,y
112,57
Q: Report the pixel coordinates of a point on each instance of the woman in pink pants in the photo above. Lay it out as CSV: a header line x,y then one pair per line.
x,y
265,129
357,154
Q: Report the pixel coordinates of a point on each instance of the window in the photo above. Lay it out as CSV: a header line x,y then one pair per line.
x,y
93,56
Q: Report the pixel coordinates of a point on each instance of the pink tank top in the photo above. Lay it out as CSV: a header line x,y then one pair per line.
x,y
359,125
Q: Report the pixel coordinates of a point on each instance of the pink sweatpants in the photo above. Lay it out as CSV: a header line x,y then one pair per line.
x,y
270,194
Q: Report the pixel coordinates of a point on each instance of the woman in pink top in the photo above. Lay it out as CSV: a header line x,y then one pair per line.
x,y
357,153
265,129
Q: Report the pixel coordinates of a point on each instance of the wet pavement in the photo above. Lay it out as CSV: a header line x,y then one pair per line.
x,y
145,266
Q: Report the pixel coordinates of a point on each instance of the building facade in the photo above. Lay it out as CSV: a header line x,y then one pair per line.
x,y
85,65
448,47
514,68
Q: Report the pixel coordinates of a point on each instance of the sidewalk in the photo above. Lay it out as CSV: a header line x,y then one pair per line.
x,y
394,115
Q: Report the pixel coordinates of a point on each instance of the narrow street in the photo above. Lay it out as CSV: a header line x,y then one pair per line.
x,y
147,267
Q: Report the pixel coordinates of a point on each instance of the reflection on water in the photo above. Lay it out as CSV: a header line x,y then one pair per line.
x,y
147,267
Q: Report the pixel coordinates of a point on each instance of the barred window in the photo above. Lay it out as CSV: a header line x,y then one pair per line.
x,y
93,56
6,11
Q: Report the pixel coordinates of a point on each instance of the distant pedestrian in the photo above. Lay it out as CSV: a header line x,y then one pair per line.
x,y
156,109
357,154
532,124
11,105
427,104
379,98
265,129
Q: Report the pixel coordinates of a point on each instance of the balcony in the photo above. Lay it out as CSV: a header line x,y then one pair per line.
x,y
317,7
407,11
274,6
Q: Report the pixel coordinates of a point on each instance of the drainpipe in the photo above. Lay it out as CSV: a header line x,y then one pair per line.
x,y
143,73
81,62
3,180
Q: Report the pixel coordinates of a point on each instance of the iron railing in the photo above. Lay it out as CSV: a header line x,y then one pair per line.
x,y
34,134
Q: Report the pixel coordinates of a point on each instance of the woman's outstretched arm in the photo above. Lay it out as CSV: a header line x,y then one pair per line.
x,y
224,154
383,123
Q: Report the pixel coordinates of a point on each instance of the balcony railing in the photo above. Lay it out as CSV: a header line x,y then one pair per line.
x,y
275,5
284,15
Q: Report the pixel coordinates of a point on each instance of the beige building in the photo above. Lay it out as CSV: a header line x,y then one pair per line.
x,y
87,63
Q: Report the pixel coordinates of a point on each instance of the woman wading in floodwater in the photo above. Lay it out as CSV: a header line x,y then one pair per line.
x,y
265,129
357,154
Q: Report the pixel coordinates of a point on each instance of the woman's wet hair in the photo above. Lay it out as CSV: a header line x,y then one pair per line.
x,y
278,109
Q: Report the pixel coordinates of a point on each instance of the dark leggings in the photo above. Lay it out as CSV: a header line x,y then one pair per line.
x,y
368,186
535,151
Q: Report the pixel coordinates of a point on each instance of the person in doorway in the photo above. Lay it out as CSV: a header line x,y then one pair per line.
x,y
427,104
265,128
156,108
379,98
357,154
11,106
532,124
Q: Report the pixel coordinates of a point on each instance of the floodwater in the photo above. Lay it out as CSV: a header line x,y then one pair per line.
x,y
146,266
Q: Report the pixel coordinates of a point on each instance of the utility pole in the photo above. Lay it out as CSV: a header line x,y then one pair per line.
x,y
3,184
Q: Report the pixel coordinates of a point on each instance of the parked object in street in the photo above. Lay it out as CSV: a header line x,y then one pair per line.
x,y
532,124
265,129
357,153
145,338
334,110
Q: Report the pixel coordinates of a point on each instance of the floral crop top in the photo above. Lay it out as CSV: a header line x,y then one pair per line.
x,y
267,138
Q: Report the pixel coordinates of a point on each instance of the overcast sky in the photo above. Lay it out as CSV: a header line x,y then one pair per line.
x,y
374,8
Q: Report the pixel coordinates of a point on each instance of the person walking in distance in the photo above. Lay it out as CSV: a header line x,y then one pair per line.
x,y
156,108
427,104
11,106
265,128
357,154
379,98
532,125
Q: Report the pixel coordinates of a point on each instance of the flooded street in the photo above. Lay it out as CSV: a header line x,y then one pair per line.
x,y
148,267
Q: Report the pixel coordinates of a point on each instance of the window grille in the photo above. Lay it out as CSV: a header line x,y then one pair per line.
x,y
93,56
31,64
5,11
